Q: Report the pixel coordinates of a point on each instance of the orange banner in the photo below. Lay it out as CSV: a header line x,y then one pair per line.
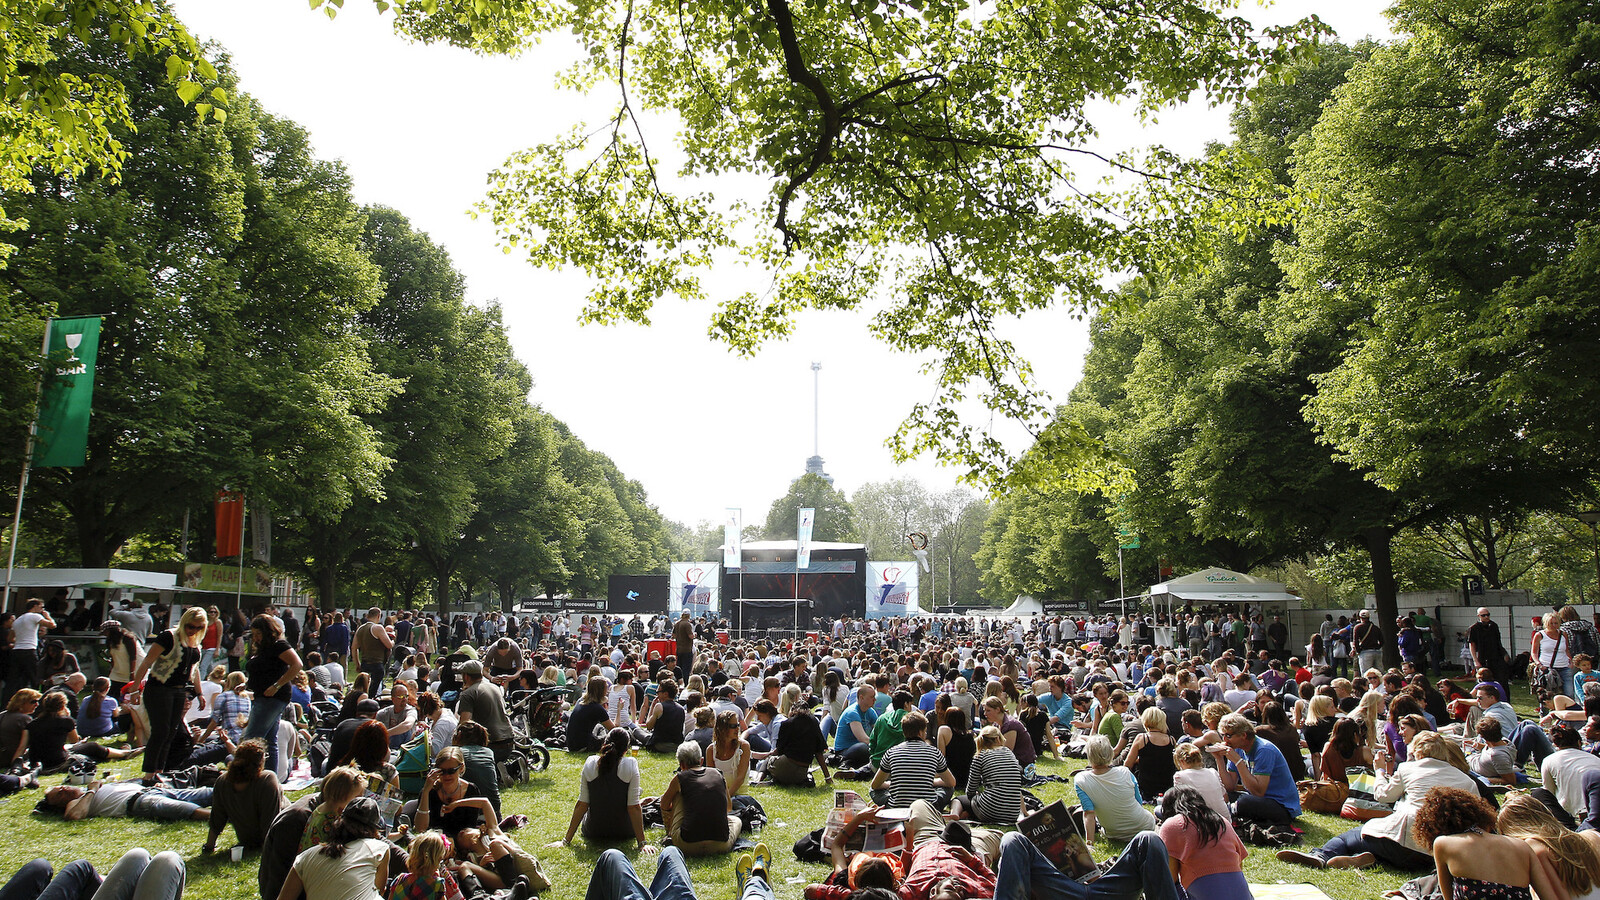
x,y
230,523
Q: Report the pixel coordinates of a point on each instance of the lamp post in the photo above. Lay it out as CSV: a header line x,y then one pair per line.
x,y
1591,518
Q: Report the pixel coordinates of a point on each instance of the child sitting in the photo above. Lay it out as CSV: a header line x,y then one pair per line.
x,y
1192,771
423,878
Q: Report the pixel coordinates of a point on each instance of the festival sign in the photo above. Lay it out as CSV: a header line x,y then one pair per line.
x,y
892,589
694,586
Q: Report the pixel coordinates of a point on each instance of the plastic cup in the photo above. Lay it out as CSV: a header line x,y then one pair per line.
x,y
238,854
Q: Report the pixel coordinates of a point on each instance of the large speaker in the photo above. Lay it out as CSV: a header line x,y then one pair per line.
x,y
643,594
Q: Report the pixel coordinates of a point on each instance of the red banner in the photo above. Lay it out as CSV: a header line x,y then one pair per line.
x,y
230,523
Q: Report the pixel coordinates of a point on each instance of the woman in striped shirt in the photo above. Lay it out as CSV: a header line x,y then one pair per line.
x,y
994,786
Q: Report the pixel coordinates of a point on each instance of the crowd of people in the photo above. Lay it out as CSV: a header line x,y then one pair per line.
x,y
941,723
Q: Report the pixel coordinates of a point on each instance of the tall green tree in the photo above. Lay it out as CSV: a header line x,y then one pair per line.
x,y
835,518
1454,228
887,511
450,418
226,261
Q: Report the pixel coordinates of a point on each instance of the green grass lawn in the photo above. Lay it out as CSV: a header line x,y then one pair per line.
x,y
547,802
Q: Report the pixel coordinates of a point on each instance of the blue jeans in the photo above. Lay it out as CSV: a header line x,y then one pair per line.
x,y
1388,852
1024,873
263,723
1530,740
34,881
139,876
614,878
170,804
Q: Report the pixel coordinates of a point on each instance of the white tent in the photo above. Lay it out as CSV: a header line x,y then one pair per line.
x,y
1221,586
1022,606
1217,586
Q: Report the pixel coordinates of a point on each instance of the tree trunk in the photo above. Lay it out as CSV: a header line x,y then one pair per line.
x,y
325,583
441,589
1379,542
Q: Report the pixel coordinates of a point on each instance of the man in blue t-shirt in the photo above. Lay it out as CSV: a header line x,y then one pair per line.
x,y
1257,777
1056,703
850,739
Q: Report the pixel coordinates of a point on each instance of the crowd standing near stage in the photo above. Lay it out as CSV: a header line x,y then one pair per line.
x,y
1192,752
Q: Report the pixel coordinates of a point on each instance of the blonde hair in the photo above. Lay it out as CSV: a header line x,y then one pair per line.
x,y
427,852
1322,706
989,738
235,681
1433,745
451,754
787,698
346,782
1213,712
1368,711
1154,719
1576,860
194,615
1188,756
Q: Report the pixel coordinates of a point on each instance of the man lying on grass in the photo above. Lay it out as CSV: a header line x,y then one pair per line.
x,y
129,799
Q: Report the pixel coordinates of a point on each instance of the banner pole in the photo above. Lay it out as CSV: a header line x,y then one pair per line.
x,y
238,586
27,464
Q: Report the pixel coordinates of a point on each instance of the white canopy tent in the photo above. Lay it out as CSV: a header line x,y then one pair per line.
x,y
1022,606
118,578
1217,586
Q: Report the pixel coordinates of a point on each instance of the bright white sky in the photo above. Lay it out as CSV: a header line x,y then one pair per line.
x,y
420,127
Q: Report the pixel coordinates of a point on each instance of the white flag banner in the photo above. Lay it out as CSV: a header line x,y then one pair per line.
x,y
892,589
802,559
695,587
732,539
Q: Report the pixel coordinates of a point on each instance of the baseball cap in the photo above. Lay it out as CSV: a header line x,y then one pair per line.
x,y
470,667
363,813
368,706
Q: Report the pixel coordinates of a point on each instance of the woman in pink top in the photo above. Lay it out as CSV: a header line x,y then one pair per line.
x,y
1205,855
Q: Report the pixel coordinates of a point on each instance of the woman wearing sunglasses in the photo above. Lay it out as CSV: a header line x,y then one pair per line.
x,y
172,662
449,802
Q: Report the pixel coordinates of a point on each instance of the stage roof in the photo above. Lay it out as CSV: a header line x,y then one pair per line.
x,y
792,545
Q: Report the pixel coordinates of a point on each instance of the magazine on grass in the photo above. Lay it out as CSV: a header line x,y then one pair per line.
x,y
1052,830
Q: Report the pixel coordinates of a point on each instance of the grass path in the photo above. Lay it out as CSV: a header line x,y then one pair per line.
x,y
547,802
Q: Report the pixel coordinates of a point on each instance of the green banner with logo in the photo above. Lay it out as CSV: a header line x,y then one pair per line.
x,y
67,392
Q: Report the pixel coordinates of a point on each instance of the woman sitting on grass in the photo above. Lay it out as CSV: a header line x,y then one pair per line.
x,y
609,806
1474,863
994,786
1204,853
339,787
245,796
352,865
1573,857
52,739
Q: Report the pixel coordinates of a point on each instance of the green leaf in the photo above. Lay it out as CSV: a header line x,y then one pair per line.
x,y
189,91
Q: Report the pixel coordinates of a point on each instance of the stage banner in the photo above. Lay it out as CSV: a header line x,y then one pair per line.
x,y
732,539
808,517
695,586
892,590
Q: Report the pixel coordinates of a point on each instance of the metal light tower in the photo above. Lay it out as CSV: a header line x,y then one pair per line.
x,y
814,464
816,409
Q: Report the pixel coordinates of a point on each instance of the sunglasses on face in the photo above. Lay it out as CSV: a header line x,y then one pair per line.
x,y
194,628
450,771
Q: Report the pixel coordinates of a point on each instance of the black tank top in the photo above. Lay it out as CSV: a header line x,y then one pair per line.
x,y
669,727
1155,769
958,753
704,804
607,818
